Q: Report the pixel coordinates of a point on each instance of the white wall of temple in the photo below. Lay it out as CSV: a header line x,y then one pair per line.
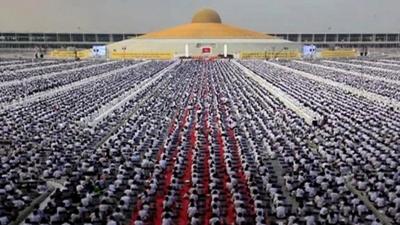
x,y
195,46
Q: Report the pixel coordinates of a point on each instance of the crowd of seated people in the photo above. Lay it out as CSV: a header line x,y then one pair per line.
x,y
44,135
285,122
19,186
121,167
11,68
392,73
203,145
383,88
16,91
390,60
29,73
375,63
7,61
359,136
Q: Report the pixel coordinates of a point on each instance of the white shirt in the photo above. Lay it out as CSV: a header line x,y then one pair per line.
x,y
380,202
397,203
280,212
310,220
4,220
214,220
192,211
138,222
167,221
111,222
361,209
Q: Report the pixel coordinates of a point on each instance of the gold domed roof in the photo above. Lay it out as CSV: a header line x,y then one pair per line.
x,y
206,24
206,16
205,31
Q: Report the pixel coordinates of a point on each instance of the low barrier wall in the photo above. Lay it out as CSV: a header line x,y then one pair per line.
x,y
271,55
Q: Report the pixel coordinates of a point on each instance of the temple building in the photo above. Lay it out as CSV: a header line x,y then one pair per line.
x,y
205,36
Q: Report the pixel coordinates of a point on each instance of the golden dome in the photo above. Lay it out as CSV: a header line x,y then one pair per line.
x,y
206,16
206,24
205,31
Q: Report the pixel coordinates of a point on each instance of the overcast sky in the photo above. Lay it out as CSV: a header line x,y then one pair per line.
x,y
134,16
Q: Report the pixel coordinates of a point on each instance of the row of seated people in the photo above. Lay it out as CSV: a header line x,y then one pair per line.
x,y
359,136
11,68
376,63
21,90
380,87
31,73
46,138
11,61
106,207
201,150
391,70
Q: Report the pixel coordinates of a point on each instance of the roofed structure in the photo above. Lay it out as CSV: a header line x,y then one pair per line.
x,y
206,35
206,24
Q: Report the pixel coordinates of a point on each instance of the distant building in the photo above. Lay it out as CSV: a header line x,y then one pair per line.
x,y
206,35
87,40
